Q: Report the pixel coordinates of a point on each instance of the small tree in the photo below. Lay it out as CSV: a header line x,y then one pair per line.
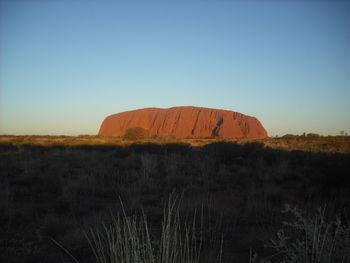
x,y
135,133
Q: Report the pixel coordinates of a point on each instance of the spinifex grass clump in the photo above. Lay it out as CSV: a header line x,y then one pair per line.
x,y
128,240
312,240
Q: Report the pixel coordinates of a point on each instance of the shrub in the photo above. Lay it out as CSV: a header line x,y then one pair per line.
x,y
289,136
313,135
166,137
313,240
135,133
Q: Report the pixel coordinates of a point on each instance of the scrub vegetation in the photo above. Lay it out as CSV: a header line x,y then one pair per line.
x,y
116,200
308,142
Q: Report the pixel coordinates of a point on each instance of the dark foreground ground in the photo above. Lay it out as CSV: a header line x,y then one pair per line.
x,y
236,190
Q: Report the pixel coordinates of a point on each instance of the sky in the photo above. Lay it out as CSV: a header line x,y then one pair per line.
x,y
66,65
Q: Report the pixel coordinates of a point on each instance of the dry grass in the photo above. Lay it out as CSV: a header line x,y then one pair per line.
x,y
60,192
128,239
312,239
333,144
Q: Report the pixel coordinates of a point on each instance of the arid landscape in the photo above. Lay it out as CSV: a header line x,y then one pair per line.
x,y
59,192
308,142
174,131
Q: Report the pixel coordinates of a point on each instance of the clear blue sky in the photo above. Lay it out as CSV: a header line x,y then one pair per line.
x,y
65,65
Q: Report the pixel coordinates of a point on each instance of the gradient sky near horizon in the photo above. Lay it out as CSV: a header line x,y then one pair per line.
x,y
65,65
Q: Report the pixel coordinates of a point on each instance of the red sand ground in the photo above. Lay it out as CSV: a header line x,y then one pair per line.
x,y
185,122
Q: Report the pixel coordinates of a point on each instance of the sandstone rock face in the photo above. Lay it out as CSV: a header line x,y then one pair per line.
x,y
185,122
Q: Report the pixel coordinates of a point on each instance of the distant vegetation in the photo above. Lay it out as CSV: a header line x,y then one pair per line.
x,y
57,191
309,142
135,133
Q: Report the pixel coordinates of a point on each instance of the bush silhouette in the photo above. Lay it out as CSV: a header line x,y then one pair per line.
x,y
134,133
313,135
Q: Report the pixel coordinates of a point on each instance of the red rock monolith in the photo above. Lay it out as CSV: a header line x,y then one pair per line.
x,y
183,122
